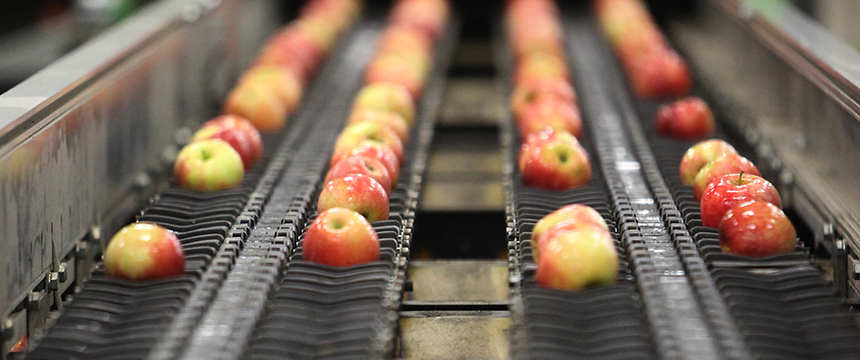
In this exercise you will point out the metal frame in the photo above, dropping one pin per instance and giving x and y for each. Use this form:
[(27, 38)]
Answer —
[(84, 142), (792, 90)]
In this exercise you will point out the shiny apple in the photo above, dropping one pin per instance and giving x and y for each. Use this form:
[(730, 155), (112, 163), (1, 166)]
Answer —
[(725, 164), (559, 164), (144, 251), (732, 189), (558, 115), (340, 237), (260, 106), (375, 151), (208, 165), (236, 131), (364, 165), (358, 193), (757, 229)]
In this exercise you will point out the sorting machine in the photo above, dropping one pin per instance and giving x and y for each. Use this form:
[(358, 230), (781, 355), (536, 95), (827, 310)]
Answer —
[(87, 145)]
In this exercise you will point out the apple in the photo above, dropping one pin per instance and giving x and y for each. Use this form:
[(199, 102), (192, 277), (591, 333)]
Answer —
[(375, 151), (560, 229), (353, 135), (358, 193), (292, 49), (532, 91), (554, 164), (364, 165), (757, 229), (261, 107), (408, 71), (283, 82), (662, 74), (387, 97), (576, 259), (560, 115), (398, 38), (429, 16), (700, 155), (208, 165), (144, 251), (322, 34), (689, 118), (726, 164), (540, 66), (250, 149), (731, 189), (389, 119), (340, 237), (574, 213)]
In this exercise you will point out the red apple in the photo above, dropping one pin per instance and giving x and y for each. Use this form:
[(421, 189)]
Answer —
[(340, 237), (576, 259), (375, 151), (261, 107), (560, 229), (429, 16), (757, 229), (732, 189), (726, 164), (574, 213), (659, 75), (358, 193), (361, 165), (236, 131), (689, 118), (559, 164), (144, 251), (530, 92), (559, 115), (353, 135), (387, 97), (280, 81), (700, 155), (389, 119), (208, 165), (322, 34)]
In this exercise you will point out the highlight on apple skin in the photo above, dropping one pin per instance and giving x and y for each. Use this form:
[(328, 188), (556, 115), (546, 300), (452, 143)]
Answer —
[(757, 229), (725, 164), (144, 251), (554, 160), (208, 165), (340, 237), (732, 189), (358, 193)]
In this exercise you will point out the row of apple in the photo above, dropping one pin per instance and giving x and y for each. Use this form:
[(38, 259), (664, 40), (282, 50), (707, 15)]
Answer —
[(653, 68), (543, 100), (369, 151), (572, 246), (227, 146), (734, 198)]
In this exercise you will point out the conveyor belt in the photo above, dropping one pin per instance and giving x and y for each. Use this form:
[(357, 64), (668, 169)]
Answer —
[(782, 305), (112, 318), (322, 311)]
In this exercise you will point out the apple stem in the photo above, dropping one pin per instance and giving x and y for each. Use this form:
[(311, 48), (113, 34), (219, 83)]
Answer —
[(740, 177)]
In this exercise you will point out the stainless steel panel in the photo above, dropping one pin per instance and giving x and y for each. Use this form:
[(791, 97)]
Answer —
[(791, 88), (80, 138)]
